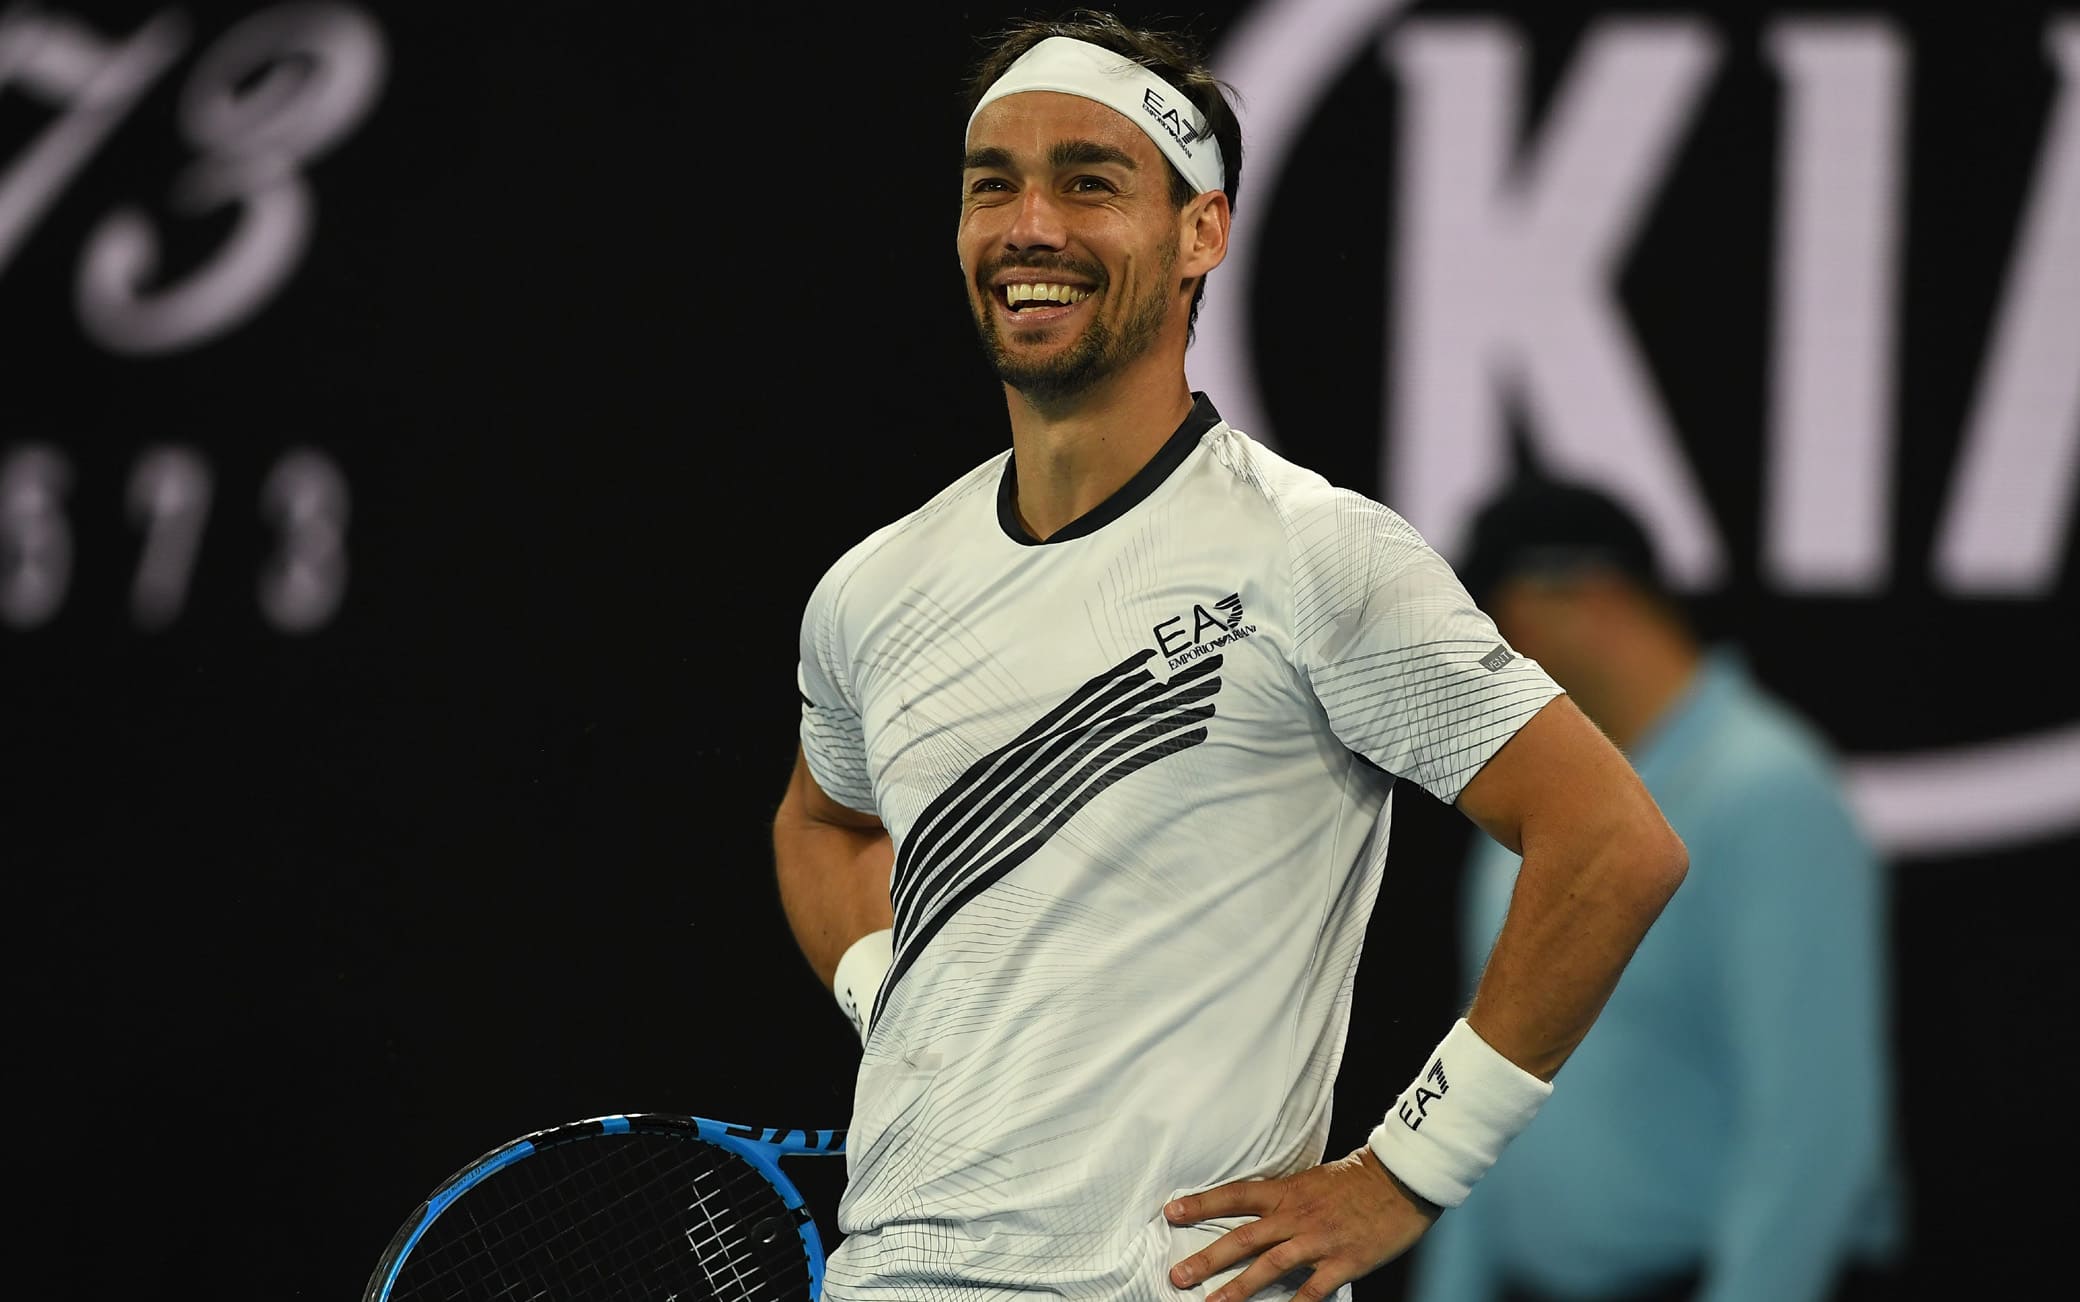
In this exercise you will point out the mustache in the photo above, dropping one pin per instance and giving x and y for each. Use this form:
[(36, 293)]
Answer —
[(988, 271)]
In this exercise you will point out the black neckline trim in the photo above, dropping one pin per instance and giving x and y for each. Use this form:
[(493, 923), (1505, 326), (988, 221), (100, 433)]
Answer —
[(1146, 480)]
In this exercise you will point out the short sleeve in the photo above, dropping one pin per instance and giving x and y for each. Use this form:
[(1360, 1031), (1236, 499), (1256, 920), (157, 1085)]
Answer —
[(1411, 674), (833, 737)]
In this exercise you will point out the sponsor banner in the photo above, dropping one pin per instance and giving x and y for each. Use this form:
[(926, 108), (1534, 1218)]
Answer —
[(1802, 286)]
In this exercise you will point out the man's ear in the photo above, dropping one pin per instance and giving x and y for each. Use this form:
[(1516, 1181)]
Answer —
[(1203, 236)]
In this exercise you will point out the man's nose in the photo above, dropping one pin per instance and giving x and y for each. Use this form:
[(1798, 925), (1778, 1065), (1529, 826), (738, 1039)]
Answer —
[(1038, 222)]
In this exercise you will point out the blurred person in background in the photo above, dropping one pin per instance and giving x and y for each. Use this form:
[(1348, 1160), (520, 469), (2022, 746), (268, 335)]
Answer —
[(1726, 1132)]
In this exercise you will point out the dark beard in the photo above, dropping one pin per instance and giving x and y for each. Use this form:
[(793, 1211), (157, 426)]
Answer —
[(1098, 354)]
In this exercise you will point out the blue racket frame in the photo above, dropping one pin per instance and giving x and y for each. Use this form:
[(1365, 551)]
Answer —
[(763, 1148)]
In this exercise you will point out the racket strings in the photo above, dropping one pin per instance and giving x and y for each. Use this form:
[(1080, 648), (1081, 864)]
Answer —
[(571, 1218), (639, 1215), (737, 1234)]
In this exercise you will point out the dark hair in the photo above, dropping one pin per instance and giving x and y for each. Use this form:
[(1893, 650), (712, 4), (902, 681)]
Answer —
[(1173, 53)]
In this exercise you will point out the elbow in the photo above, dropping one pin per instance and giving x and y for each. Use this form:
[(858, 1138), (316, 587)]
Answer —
[(1665, 862), (1648, 858)]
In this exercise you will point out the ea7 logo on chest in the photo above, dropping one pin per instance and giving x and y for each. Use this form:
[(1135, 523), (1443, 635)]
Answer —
[(1184, 638)]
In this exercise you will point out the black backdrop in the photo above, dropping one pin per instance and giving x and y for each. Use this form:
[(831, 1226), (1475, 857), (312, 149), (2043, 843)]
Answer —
[(398, 630)]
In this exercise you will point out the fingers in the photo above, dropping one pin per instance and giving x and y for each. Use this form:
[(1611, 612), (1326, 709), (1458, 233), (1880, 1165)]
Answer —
[(1271, 1265), (1236, 1198), (1217, 1256), (1280, 1260), (1258, 1198), (1344, 1218)]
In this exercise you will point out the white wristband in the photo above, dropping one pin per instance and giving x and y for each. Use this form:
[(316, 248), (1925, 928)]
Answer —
[(1454, 1119), (858, 978)]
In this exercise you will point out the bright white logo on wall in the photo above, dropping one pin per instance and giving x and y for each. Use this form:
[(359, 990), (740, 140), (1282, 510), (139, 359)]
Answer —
[(261, 102), (1508, 241), (257, 105)]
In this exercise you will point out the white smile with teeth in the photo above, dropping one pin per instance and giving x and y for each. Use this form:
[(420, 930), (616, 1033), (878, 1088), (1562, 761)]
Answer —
[(1043, 293)]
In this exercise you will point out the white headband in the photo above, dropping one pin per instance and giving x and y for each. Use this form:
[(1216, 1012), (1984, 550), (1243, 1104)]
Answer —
[(1073, 67)]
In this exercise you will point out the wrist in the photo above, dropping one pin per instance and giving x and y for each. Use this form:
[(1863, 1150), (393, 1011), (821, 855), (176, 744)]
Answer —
[(1430, 1210), (1455, 1118), (857, 982)]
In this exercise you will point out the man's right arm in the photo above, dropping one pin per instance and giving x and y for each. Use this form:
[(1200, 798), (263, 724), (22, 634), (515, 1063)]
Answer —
[(833, 863)]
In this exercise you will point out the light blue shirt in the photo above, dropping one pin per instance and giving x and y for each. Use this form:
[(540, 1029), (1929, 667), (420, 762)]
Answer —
[(1732, 1108)]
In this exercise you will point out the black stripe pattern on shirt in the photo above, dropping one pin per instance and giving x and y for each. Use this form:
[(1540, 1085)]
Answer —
[(1010, 802)]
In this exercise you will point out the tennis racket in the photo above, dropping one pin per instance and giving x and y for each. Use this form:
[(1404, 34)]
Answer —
[(641, 1205)]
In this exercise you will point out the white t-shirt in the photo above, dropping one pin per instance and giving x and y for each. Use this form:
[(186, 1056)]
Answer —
[(1137, 778)]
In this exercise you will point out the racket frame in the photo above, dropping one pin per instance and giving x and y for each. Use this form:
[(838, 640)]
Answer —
[(761, 1147)]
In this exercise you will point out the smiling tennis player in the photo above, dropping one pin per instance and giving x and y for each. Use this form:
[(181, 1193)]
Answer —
[(1096, 755)]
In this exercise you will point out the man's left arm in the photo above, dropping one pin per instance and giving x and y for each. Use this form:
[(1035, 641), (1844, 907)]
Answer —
[(1600, 862)]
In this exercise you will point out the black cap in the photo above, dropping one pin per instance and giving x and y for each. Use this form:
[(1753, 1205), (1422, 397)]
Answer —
[(1541, 525)]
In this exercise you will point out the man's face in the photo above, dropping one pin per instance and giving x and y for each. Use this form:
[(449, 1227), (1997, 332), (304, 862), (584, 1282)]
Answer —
[(1068, 240)]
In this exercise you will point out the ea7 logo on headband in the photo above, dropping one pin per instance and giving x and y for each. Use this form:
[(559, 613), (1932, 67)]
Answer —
[(1182, 131)]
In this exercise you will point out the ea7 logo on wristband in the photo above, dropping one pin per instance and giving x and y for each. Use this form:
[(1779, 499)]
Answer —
[(1417, 1106)]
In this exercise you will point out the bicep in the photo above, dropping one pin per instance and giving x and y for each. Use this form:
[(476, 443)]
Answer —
[(1558, 777), (807, 801), (1407, 670)]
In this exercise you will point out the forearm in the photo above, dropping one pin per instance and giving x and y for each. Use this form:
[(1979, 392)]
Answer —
[(833, 883), (1582, 903)]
